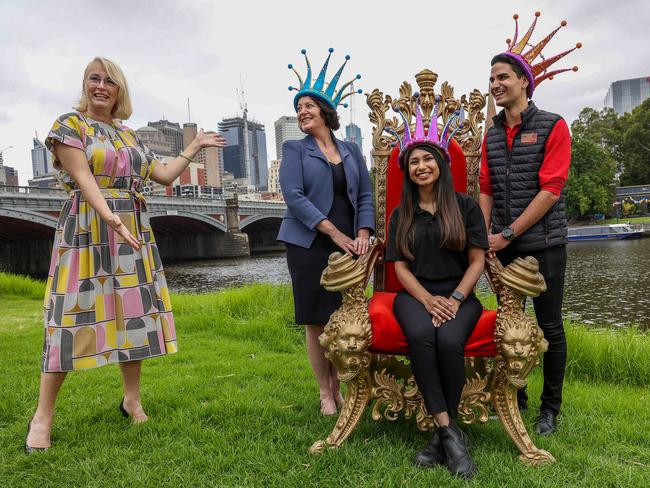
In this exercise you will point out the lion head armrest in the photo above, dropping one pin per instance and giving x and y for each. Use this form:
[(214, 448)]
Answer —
[(348, 333), (518, 338)]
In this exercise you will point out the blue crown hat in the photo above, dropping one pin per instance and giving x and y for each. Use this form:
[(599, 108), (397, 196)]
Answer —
[(324, 91)]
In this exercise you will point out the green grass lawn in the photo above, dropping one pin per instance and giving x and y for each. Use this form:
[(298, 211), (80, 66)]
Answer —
[(237, 406)]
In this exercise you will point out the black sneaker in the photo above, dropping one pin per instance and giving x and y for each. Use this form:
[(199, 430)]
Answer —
[(546, 423)]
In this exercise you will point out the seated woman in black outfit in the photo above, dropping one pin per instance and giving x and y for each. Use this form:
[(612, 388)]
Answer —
[(437, 239)]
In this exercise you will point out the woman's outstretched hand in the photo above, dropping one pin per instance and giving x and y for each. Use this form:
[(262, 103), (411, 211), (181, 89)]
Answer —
[(115, 223), (209, 139)]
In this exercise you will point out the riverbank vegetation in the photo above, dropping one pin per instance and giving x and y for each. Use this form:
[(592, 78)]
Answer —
[(604, 144), (237, 406)]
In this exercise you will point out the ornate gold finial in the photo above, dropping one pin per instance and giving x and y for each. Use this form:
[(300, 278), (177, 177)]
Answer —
[(342, 272), (426, 79), (523, 276)]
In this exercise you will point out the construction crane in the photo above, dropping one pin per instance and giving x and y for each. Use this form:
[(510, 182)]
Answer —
[(352, 114), (353, 133), (244, 108)]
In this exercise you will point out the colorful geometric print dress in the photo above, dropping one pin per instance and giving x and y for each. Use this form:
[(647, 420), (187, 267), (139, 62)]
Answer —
[(105, 302)]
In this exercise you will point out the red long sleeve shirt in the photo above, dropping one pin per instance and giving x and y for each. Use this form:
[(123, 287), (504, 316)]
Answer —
[(555, 167)]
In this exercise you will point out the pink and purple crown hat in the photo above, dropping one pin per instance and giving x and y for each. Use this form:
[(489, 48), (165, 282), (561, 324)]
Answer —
[(421, 137), (535, 73)]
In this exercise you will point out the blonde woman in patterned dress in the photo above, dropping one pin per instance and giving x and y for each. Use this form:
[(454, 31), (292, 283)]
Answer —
[(106, 298)]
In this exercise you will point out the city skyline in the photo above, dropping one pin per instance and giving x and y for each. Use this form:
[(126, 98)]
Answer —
[(185, 49)]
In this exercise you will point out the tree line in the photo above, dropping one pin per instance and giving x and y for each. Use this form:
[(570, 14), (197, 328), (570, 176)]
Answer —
[(607, 150)]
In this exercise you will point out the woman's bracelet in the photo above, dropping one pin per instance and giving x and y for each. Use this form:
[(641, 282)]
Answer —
[(189, 160)]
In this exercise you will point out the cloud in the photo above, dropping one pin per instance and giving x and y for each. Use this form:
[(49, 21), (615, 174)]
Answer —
[(171, 50)]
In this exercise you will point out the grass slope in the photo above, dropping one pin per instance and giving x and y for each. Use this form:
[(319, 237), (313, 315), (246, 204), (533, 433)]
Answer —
[(237, 406)]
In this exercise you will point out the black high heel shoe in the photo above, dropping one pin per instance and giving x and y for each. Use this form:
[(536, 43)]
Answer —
[(129, 416), (123, 410), (29, 449)]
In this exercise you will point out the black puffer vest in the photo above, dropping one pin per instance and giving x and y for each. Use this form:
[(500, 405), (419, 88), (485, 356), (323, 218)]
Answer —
[(514, 177)]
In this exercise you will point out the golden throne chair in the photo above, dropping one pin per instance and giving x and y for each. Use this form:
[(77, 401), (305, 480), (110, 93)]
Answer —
[(363, 338)]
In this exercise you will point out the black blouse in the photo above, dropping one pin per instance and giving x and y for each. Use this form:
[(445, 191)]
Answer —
[(433, 262)]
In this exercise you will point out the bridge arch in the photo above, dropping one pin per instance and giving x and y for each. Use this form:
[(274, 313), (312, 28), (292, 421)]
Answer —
[(258, 218), (29, 216), (262, 232), (169, 221), (26, 241)]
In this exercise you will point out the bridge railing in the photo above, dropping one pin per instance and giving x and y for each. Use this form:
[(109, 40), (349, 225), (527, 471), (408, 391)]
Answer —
[(25, 192), (31, 190)]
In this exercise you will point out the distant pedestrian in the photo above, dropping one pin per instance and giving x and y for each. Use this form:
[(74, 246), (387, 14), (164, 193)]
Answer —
[(106, 298), (525, 164), (326, 186)]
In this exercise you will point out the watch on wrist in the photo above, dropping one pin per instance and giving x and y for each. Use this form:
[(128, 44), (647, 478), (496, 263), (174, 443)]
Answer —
[(508, 234), (458, 296)]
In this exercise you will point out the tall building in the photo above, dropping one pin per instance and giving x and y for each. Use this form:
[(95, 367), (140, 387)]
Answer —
[(189, 133), (234, 156), (9, 176), (155, 140), (625, 95), (41, 158), (286, 129), (172, 132), (274, 177), (353, 134), (210, 157)]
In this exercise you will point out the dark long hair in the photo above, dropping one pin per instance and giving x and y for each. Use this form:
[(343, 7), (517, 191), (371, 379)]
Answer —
[(444, 198)]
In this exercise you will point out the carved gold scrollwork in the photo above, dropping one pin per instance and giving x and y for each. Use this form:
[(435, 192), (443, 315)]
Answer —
[(378, 107), (388, 394), (415, 405), (474, 403)]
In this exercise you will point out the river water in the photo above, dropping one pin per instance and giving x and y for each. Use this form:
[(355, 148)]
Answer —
[(607, 282)]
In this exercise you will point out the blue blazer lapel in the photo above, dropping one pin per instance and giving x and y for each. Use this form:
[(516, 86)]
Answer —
[(343, 151), (314, 150)]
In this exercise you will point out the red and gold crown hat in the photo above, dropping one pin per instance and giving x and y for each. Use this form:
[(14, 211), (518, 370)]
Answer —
[(535, 73)]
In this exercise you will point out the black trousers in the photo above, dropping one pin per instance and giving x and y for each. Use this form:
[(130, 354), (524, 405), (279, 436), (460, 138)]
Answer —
[(437, 353), (548, 310)]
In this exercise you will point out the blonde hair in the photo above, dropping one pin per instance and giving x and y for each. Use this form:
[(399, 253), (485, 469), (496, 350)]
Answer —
[(122, 109)]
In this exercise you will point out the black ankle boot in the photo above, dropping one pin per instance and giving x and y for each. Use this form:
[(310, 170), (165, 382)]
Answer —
[(456, 448), (431, 455)]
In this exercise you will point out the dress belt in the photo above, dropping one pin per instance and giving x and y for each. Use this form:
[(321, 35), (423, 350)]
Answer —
[(111, 193)]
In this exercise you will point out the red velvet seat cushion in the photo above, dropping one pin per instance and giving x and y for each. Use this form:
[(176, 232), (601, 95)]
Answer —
[(388, 338)]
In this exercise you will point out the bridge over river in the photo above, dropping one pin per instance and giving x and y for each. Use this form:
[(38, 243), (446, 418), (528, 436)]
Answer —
[(185, 228)]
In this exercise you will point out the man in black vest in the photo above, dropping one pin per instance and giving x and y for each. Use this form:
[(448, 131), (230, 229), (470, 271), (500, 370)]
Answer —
[(525, 163)]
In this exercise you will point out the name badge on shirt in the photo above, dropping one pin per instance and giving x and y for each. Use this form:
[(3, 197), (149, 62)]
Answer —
[(529, 138)]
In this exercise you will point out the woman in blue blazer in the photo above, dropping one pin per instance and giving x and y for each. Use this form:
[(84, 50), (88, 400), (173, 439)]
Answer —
[(326, 186)]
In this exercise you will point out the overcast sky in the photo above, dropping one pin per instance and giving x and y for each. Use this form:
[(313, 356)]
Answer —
[(171, 50)]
